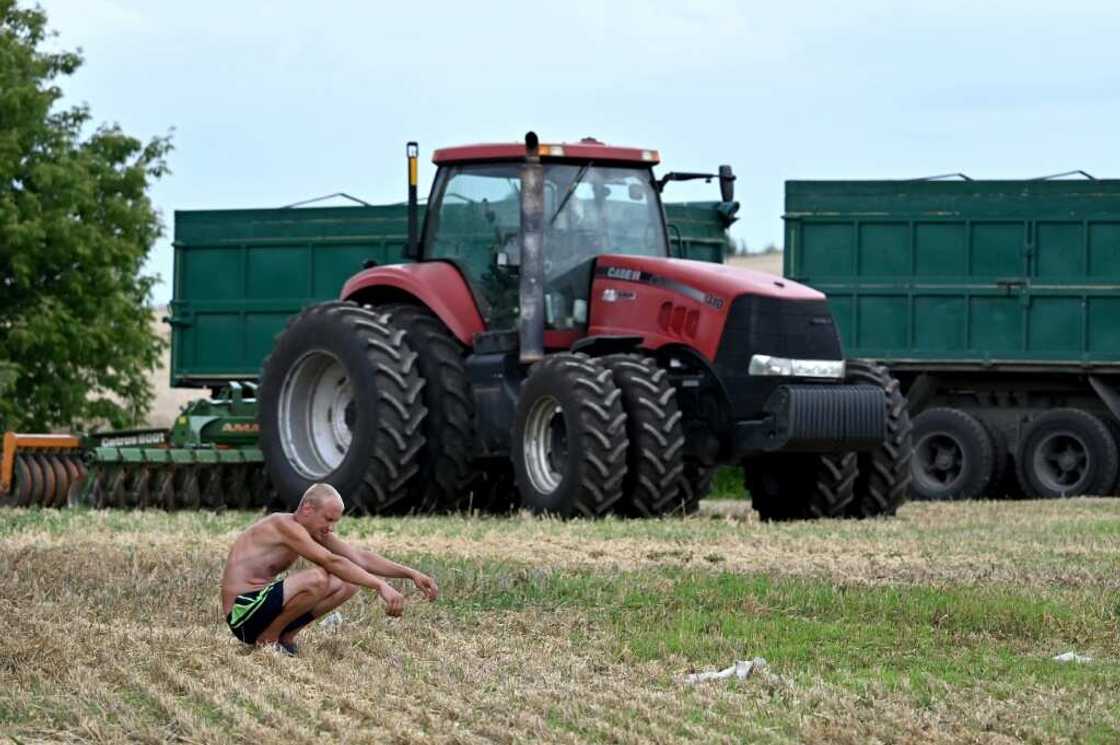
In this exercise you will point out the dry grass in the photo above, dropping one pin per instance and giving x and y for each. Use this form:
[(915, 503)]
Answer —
[(935, 627)]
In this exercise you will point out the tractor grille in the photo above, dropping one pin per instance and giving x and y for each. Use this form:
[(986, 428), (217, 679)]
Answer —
[(800, 329)]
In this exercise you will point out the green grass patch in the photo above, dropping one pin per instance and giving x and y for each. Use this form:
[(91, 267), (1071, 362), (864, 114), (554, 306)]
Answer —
[(727, 483)]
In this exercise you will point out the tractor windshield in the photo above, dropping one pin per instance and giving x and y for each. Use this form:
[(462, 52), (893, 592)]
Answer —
[(590, 210)]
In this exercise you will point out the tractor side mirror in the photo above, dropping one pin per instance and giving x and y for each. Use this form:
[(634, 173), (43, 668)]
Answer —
[(726, 184)]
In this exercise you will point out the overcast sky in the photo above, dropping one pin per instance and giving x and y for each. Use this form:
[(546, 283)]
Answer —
[(274, 102)]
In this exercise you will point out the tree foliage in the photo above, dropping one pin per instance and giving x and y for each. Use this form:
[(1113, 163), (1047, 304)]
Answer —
[(76, 224)]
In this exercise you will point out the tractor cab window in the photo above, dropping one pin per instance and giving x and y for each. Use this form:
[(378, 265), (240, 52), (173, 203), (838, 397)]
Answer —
[(589, 211)]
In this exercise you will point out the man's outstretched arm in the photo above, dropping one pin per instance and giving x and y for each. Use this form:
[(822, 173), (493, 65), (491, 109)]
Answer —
[(379, 565), (340, 565)]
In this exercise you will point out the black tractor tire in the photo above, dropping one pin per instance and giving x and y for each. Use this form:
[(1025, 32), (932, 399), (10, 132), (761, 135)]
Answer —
[(383, 419), (884, 479), (694, 484), (445, 458), (954, 456), (801, 486), (569, 438), (490, 488), (1067, 453), (654, 458)]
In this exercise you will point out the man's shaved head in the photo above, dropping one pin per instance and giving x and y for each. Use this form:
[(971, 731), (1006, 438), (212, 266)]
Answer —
[(318, 495)]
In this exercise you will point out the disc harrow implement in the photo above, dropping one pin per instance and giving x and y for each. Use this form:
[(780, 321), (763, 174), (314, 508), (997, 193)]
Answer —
[(40, 470)]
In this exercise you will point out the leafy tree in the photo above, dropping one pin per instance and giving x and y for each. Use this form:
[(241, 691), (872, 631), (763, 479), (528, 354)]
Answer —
[(76, 224)]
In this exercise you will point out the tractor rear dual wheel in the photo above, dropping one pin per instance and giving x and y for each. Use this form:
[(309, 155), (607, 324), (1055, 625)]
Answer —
[(341, 402), (445, 458)]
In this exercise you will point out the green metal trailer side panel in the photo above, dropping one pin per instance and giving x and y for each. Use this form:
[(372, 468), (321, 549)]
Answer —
[(241, 274), (987, 272)]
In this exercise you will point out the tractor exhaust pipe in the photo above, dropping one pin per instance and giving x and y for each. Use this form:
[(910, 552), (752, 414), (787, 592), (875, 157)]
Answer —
[(412, 248), (531, 325)]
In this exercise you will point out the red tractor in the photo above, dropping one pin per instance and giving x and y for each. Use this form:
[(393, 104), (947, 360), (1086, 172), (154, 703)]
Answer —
[(542, 347)]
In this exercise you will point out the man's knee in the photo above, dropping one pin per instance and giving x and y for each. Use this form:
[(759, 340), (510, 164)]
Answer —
[(348, 591), (318, 581), (341, 587)]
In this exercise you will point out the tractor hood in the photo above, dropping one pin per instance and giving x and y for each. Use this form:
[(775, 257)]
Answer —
[(715, 285)]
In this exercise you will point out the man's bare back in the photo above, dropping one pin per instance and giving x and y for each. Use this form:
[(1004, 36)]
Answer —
[(261, 608)]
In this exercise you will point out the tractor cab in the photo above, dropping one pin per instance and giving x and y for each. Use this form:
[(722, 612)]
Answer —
[(603, 201)]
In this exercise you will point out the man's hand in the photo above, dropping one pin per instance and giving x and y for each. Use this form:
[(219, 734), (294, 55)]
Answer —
[(394, 601), (426, 584)]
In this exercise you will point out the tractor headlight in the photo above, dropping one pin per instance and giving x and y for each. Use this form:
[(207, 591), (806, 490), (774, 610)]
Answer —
[(764, 364)]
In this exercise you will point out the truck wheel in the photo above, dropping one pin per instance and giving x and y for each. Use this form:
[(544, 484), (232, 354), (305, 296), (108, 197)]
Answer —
[(340, 402), (569, 438), (884, 473), (1067, 453), (449, 427), (953, 455), (654, 460), (801, 486), (998, 485)]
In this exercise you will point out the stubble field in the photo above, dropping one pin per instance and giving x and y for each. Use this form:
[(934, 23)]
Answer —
[(937, 626)]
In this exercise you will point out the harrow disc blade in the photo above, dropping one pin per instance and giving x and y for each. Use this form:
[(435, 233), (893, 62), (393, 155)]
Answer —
[(61, 481), (210, 484), (188, 493), (77, 480), (49, 482), (20, 493), (139, 491), (237, 493), (37, 481), (163, 496)]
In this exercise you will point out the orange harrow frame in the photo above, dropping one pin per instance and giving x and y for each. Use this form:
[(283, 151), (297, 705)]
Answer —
[(14, 442)]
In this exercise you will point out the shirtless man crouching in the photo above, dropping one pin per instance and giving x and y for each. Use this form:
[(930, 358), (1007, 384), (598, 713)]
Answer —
[(262, 608)]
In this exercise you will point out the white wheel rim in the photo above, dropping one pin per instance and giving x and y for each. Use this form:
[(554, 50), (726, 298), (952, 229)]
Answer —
[(545, 444), (316, 413)]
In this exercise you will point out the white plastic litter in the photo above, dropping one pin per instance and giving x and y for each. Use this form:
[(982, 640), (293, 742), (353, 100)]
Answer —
[(742, 669), (331, 621), (1073, 657)]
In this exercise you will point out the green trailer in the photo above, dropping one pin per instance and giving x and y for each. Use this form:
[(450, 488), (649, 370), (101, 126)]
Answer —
[(995, 304), (241, 274)]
